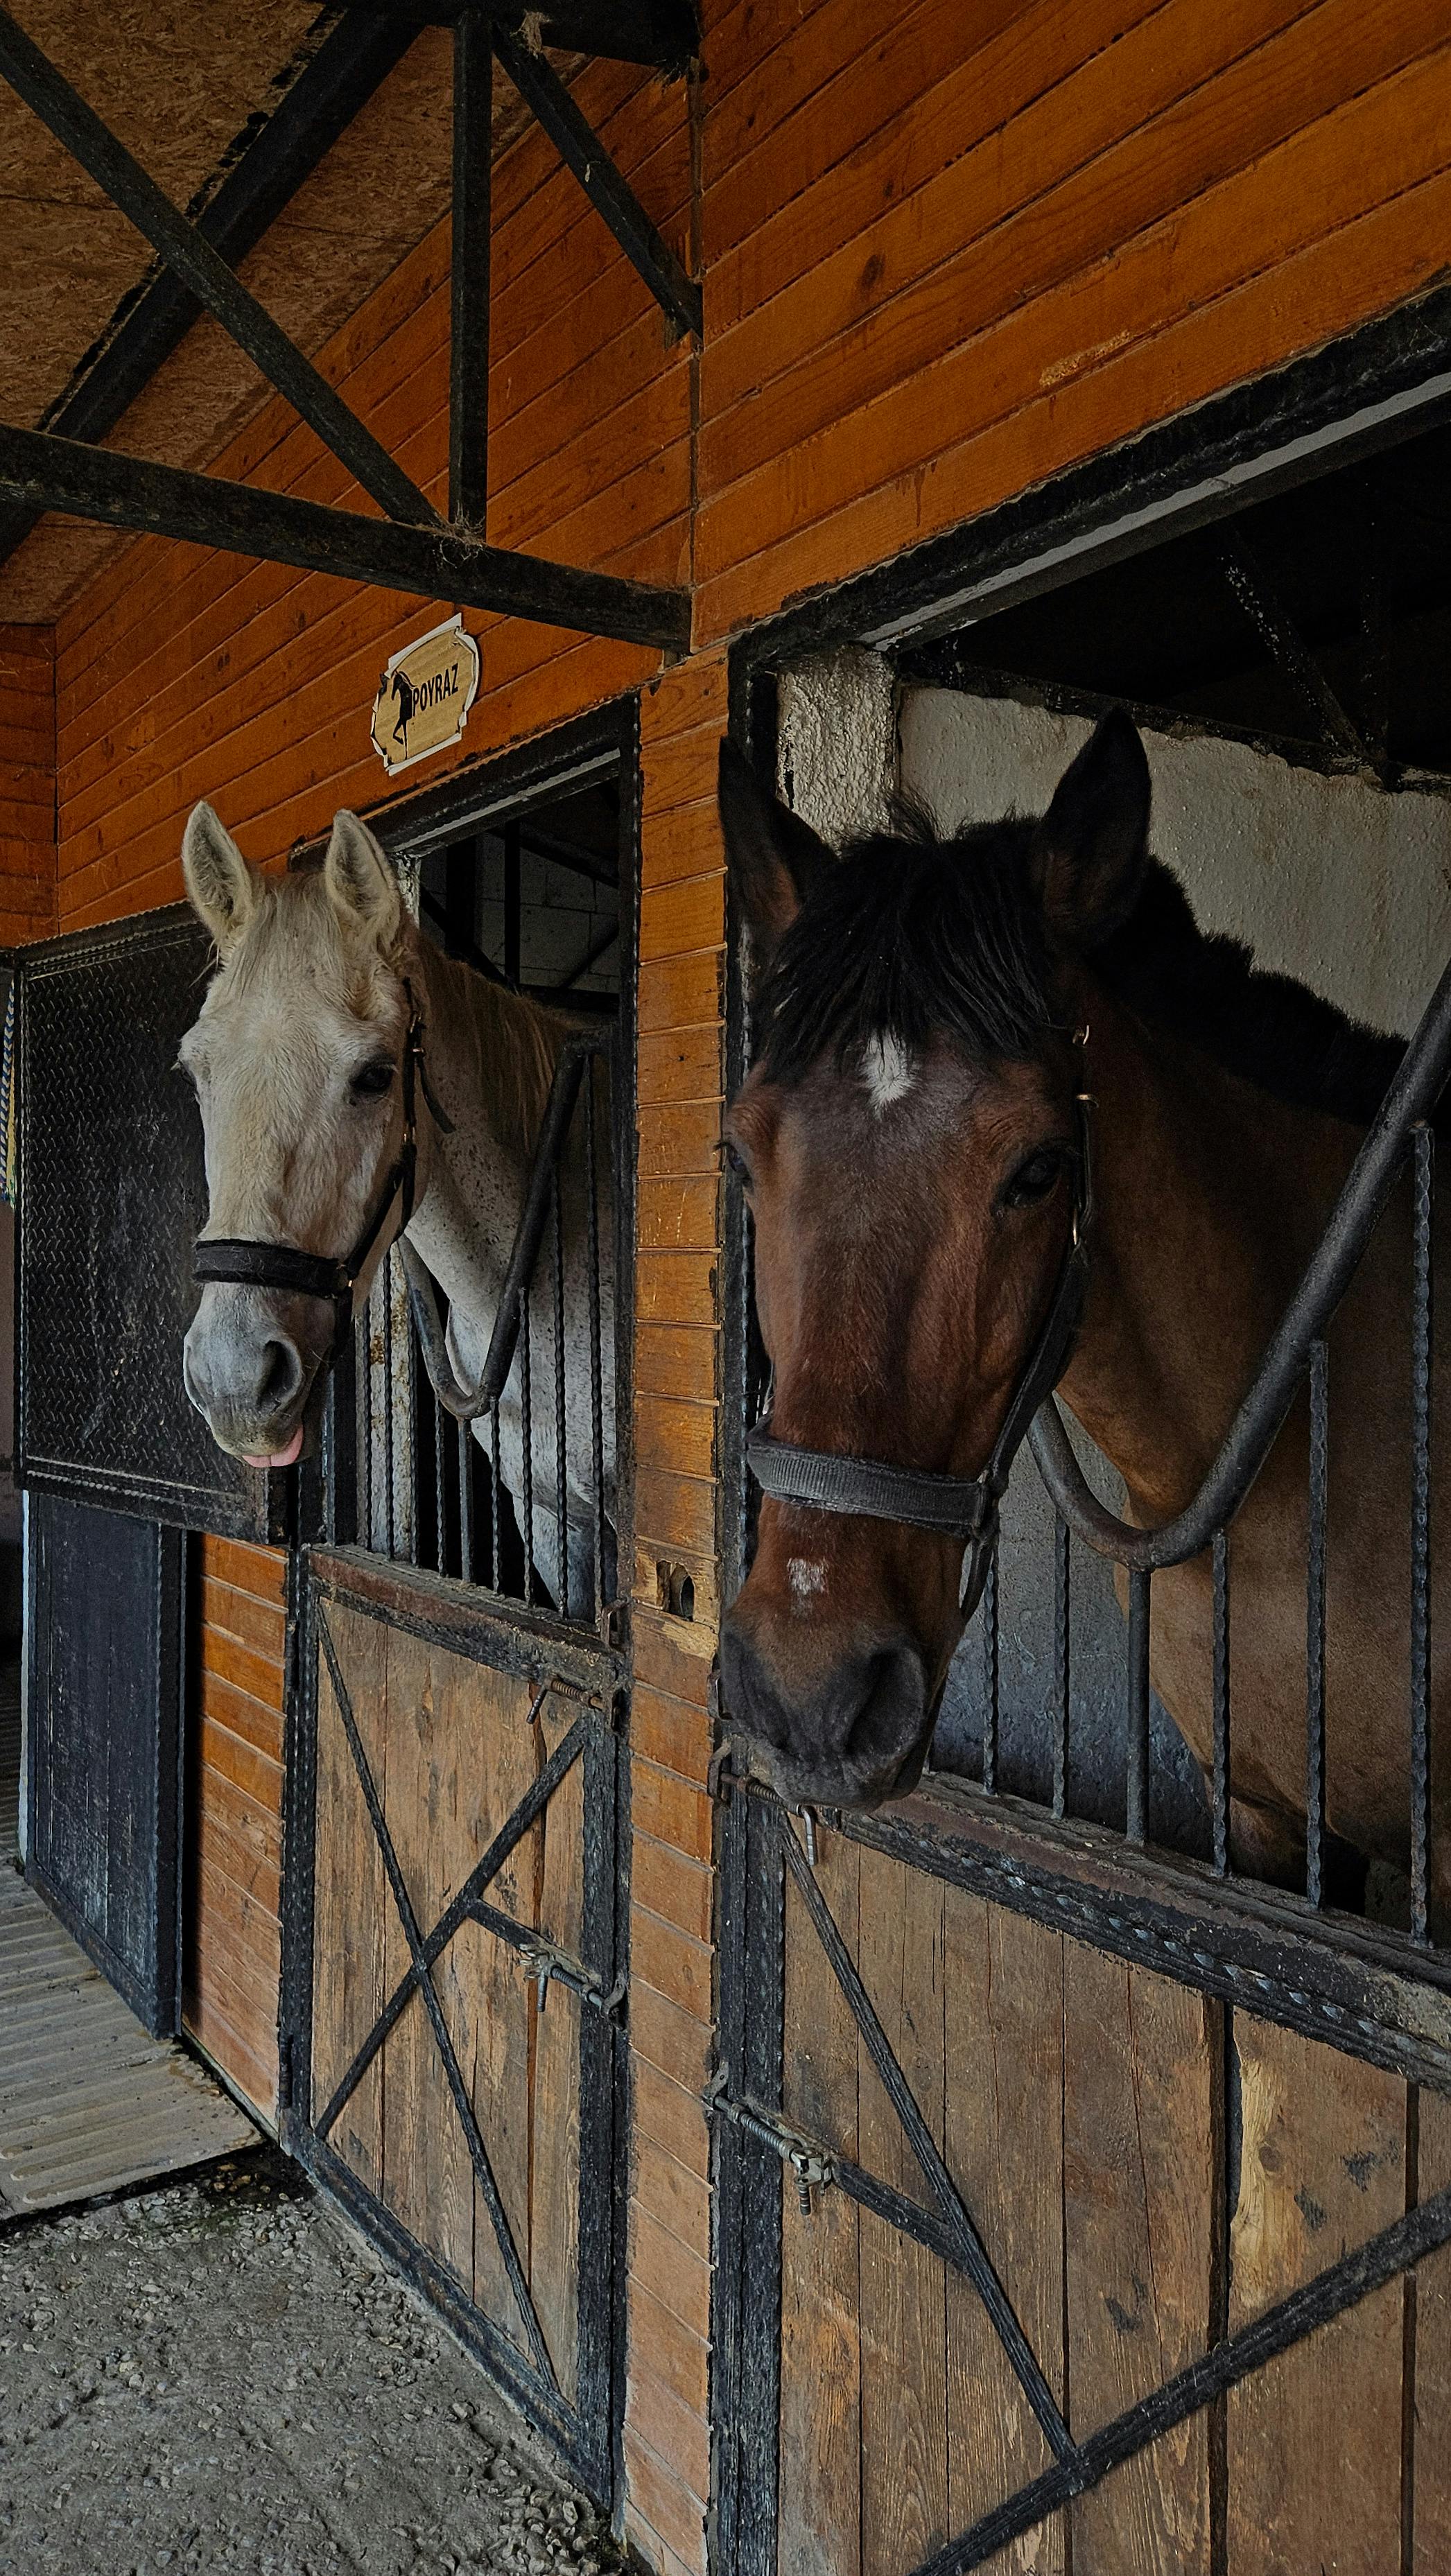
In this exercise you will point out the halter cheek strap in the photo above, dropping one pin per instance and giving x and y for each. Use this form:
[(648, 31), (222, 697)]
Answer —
[(238, 1261), (964, 1507)]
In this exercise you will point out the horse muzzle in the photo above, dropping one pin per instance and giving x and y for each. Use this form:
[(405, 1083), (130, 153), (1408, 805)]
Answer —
[(250, 1365), (854, 1735)]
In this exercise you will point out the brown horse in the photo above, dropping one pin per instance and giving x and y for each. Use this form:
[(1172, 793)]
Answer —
[(907, 1137)]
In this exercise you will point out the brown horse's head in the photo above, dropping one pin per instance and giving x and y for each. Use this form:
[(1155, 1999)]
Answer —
[(906, 1138)]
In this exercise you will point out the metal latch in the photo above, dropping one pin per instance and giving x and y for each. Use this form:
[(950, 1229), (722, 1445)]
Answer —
[(810, 2166), (545, 1964)]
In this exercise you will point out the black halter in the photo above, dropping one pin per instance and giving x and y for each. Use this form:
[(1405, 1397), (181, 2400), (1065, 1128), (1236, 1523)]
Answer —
[(964, 1507), (242, 1263)]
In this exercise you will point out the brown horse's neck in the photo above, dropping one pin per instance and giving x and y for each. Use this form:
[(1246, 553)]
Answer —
[(1210, 1196)]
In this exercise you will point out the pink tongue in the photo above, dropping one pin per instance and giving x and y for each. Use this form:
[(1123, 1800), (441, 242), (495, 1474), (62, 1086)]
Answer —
[(280, 1457)]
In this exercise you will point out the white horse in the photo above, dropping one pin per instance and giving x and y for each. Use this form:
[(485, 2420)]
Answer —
[(298, 1062)]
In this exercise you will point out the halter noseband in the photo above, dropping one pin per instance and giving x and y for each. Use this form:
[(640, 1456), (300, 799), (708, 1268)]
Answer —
[(240, 1262), (964, 1507)]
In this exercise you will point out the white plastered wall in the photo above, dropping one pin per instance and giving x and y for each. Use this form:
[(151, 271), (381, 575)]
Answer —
[(1329, 879)]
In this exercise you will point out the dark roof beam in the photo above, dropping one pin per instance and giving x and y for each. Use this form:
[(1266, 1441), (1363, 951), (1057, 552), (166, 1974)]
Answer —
[(190, 256), (663, 34), (42, 472), (577, 143), (353, 61)]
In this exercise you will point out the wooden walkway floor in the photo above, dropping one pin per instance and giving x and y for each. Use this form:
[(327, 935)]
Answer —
[(88, 2102)]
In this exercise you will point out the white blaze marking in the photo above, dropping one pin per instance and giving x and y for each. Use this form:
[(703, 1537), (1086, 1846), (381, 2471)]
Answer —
[(804, 1577), (888, 1070)]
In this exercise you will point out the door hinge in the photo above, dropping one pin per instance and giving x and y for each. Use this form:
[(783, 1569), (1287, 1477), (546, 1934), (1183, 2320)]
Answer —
[(809, 2164)]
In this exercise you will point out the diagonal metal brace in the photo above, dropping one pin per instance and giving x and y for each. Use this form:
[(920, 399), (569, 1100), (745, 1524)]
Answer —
[(418, 1954), (575, 139), (190, 256), (968, 2251)]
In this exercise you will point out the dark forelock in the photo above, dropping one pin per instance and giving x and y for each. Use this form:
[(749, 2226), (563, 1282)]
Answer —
[(911, 939)]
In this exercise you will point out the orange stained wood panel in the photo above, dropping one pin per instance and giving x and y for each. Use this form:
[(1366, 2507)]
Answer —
[(27, 784), (1261, 269), (671, 1732), (678, 1436), (670, 2114), (662, 2506), (681, 841), (1141, 129), (232, 1949)]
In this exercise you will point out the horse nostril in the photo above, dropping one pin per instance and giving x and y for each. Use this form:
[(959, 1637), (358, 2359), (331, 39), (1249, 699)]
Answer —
[(281, 1376)]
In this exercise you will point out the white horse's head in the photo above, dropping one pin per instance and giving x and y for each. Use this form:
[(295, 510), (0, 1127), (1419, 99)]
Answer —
[(296, 1061)]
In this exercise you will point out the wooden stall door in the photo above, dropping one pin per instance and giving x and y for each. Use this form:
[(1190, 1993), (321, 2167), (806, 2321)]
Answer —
[(462, 2088), (1147, 2169)]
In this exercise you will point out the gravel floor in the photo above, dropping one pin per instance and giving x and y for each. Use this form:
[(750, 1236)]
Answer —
[(218, 2374)]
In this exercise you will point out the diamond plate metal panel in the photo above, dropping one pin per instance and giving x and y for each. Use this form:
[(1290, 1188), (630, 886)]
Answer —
[(112, 1192)]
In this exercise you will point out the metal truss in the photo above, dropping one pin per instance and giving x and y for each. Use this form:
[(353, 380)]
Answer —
[(419, 552)]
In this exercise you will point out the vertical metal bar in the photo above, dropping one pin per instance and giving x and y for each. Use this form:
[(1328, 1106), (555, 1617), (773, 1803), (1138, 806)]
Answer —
[(526, 1395), (468, 404), (385, 1272), (1136, 1747), (1062, 1580), (596, 1415), (440, 1524), (561, 1463), (1422, 1289), (495, 1490), (990, 1677), (369, 1535), (513, 902), (1219, 1793), (1315, 1626), (465, 1437), (415, 1478)]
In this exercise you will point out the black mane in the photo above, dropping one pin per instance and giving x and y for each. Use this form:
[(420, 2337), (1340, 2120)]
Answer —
[(919, 938)]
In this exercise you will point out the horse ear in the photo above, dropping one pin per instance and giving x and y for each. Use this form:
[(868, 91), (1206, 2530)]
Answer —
[(1091, 849), (360, 881), (222, 887), (776, 860)]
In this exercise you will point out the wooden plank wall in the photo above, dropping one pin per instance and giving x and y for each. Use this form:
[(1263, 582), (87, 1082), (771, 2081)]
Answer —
[(1147, 2168), (27, 784), (234, 1851), (941, 258), (677, 1369)]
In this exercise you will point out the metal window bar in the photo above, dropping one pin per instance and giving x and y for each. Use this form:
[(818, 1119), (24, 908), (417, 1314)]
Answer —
[(990, 1678), (1400, 1136), (1423, 1208), (431, 1453), (1062, 1659)]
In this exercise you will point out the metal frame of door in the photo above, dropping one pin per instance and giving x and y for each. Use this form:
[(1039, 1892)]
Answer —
[(592, 1672), (1374, 1996), (595, 1680)]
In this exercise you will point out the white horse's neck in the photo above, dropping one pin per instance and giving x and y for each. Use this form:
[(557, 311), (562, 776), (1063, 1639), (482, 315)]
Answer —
[(491, 1056)]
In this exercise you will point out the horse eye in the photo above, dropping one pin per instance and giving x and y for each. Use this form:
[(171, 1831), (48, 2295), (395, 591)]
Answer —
[(372, 1080), (1034, 1180), (737, 1165)]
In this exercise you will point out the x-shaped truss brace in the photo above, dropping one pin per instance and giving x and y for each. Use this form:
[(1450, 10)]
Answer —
[(543, 1961), (421, 552), (947, 2229)]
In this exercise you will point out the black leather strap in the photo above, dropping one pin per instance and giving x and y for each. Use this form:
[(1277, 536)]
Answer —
[(240, 1262), (955, 1506)]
